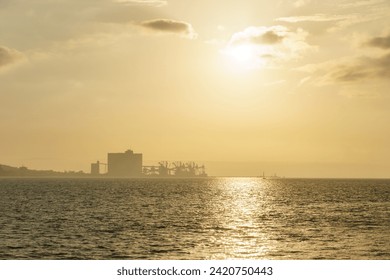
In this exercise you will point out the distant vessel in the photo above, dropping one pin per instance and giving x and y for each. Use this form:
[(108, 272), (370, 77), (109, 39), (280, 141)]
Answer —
[(269, 177)]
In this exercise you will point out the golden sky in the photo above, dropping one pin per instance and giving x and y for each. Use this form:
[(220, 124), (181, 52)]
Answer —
[(298, 88)]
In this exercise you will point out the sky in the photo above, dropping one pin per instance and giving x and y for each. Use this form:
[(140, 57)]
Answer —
[(299, 88)]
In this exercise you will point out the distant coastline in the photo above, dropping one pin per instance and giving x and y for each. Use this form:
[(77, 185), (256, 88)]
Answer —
[(10, 171), (7, 171)]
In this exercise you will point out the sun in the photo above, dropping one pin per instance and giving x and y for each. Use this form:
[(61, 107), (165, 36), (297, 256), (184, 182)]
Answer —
[(243, 56), (242, 53)]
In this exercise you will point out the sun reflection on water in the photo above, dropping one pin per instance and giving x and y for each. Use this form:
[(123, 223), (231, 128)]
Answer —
[(238, 215)]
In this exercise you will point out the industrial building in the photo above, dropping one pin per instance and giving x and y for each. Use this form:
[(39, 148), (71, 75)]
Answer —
[(95, 168), (127, 164)]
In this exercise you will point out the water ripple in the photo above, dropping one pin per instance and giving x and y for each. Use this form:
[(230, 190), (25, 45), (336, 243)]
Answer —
[(210, 218)]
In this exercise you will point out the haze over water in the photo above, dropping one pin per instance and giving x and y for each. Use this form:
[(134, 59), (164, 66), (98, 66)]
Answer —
[(207, 218)]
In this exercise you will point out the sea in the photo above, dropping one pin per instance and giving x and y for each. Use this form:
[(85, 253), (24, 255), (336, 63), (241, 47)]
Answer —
[(194, 219)]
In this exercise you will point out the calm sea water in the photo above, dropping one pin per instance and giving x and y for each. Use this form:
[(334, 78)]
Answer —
[(209, 218)]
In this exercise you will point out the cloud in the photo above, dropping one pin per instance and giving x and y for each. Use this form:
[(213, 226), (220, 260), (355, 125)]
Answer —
[(315, 18), (269, 37), (268, 44), (260, 35), (156, 3), (348, 70), (169, 26), (363, 3), (379, 42), (9, 56), (336, 21)]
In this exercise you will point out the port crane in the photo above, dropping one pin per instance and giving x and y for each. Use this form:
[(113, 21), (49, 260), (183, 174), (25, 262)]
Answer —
[(176, 168)]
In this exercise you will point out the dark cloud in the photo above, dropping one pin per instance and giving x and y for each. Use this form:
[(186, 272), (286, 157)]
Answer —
[(261, 35), (8, 56), (380, 42), (350, 71), (169, 26), (363, 69), (268, 38)]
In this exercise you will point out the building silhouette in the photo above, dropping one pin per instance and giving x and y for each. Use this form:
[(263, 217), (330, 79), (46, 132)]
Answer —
[(127, 164), (95, 168)]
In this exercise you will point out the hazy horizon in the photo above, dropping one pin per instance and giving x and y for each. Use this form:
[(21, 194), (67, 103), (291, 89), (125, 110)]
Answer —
[(268, 169), (299, 88)]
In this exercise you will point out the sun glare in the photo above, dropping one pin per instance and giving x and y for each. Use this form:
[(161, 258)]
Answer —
[(240, 53), (244, 56)]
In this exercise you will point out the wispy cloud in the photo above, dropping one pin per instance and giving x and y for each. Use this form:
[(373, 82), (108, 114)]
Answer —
[(362, 69), (354, 69), (169, 26), (341, 14), (336, 22), (157, 3), (363, 3), (269, 44), (315, 18), (348, 70), (9, 56)]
